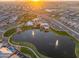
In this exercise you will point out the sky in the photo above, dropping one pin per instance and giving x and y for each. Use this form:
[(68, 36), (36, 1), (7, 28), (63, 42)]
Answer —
[(41, 0)]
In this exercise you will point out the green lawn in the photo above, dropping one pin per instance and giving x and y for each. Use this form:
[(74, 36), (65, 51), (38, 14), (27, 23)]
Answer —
[(26, 28), (9, 32), (59, 32), (27, 52), (77, 49), (0, 39)]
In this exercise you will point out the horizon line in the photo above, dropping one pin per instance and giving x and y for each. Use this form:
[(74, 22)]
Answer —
[(39, 1)]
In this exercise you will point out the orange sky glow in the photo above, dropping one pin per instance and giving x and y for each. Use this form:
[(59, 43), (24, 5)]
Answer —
[(39, 0)]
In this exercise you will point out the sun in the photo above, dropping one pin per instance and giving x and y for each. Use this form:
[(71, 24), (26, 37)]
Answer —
[(35, 0)]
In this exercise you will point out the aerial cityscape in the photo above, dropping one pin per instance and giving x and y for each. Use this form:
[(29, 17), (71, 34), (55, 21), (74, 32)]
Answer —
[(39, 29)]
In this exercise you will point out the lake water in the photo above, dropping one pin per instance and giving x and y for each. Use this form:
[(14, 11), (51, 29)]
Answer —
[(48, 43)]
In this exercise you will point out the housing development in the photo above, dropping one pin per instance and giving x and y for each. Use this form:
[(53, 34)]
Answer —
[(39, 29)]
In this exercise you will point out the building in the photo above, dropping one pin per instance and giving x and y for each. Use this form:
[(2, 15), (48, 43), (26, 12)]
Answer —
[(29, 23), (13, 19), (45, 26), (5, 52), (18, 29)]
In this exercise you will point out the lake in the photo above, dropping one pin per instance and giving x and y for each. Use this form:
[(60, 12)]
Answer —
[(48, 43)]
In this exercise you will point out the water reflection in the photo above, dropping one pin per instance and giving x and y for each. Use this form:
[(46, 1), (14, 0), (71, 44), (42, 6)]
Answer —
[(57, 42), (33, 33)]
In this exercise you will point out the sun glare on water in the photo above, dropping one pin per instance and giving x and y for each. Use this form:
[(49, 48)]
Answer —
[(33, 33)]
